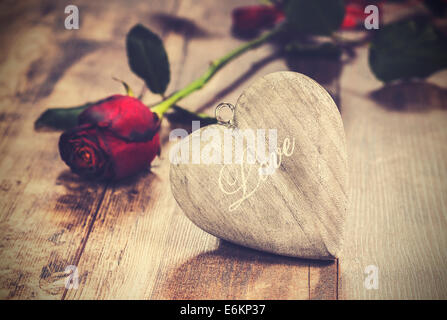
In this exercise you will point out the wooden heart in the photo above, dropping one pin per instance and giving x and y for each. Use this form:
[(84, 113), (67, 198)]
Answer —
[(298, 208)]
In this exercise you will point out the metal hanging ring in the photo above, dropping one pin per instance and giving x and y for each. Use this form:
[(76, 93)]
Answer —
[(219, 119)]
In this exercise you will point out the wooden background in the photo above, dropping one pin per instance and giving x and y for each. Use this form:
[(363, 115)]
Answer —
[(129, 240)]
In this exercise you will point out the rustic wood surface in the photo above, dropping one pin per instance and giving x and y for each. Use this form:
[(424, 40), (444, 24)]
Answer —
[(130, 240)]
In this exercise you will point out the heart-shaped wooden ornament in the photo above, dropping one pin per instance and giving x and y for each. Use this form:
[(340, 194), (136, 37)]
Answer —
[(275, 178)]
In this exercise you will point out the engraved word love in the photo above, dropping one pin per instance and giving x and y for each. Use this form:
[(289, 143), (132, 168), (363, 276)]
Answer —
[(246, 148), (240, 184)]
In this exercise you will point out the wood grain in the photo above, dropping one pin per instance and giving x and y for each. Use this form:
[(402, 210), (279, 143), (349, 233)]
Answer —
[(46, 212), (157, 252), (130, 240), (397, 158)]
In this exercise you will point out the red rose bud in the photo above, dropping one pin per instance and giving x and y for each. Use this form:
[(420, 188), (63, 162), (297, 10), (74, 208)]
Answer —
[(115, 138), (250, 19), (354, 16)]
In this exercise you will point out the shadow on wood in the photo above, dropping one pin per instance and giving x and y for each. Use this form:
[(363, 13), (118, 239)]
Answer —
[(179, 25), (77, 203), (322, 70), (236, 84), (81, 193), (411, 97), (235, 272), (45, 72)]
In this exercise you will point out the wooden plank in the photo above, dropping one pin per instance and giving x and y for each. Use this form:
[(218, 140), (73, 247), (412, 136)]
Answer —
[(46, 212), (323, 280), (234, 272), (396, 144), (227, 86), (142, 246), (128, 240)]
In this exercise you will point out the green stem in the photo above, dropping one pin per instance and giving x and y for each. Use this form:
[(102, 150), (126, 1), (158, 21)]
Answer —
[(215, 66)]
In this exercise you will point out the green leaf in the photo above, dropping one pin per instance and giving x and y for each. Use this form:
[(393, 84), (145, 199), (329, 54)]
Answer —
[(407, 49), (147, 58), (316, 17), (437, 7), (182, 115), (61, 118)]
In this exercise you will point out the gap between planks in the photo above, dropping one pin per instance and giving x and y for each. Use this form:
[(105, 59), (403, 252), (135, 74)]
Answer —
[(86, 237)]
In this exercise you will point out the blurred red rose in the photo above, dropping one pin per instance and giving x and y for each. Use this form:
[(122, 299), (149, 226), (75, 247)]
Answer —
[(250, 19), (114, 139)]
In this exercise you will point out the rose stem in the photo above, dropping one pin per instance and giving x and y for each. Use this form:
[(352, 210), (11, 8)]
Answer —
[(215, 66)]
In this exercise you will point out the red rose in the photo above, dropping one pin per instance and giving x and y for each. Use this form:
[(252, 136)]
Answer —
[(250, 19), (115, 138)]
